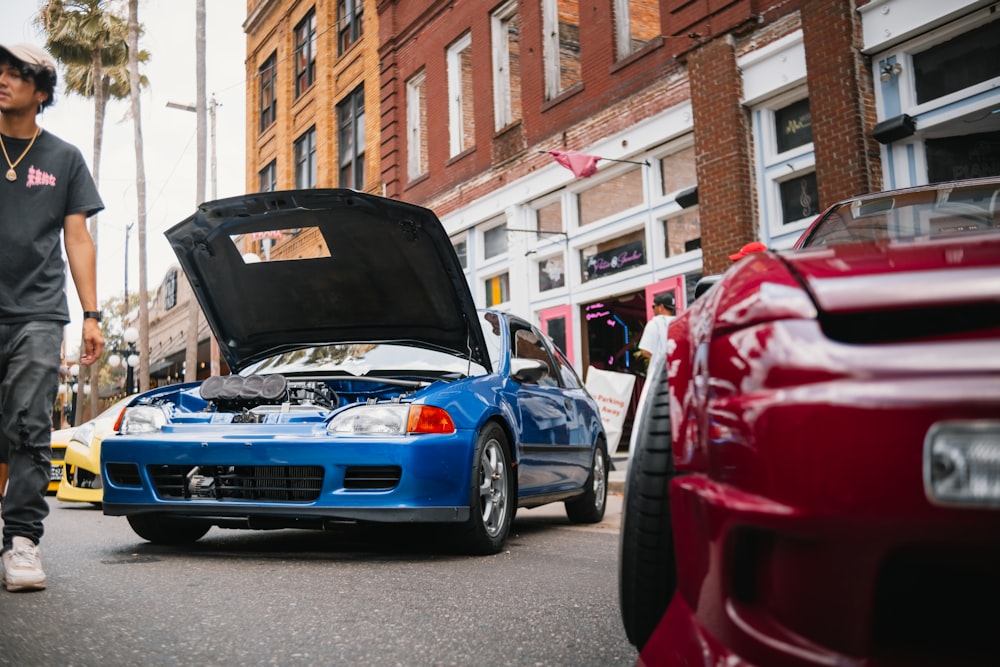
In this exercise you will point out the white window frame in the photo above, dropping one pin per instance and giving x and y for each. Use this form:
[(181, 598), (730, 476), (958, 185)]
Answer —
[(456, 107), (775, 168), (498, 222), (503, 114), (550, 48), (905, 162), (415, 166), (623, 29)]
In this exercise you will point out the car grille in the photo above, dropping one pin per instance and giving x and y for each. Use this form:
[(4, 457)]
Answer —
[(124, 474), (372, 478), (58, 453), (258, 483)]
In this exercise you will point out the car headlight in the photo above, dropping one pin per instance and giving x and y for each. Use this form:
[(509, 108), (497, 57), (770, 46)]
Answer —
[(83, 435), (391, 419), (962, 463), (143, 419)]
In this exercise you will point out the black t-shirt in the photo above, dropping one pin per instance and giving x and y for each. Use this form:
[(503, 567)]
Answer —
[(52, 182)]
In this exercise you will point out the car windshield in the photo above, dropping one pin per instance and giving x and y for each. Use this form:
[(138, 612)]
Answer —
[(908, 216), (360, 359)]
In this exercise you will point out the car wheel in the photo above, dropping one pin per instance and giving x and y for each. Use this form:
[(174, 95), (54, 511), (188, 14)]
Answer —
[(491, 498), (166, 530), (647, 574), (589, 507)]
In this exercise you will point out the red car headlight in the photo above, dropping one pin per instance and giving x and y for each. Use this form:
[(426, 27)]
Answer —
[(962, 463)]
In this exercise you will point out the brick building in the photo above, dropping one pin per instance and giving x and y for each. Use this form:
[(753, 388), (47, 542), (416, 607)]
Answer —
[(717, 123)]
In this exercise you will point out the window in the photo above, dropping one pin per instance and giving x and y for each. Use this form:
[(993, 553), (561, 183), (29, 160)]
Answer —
[(497, 290), (637, 23), (462, 250), (610, 197), (617, 254), (416, 121), (799, 198), (350, 24), (305, 160), (793, 126), (679, 182), (351, 139), (972, 57), (268, 177), (561, 25), (506, 28), (305, 53), (527, 344), (551, 273), (786, 164), (677, 171), (963, 156), (170, 290), (495, 241), (548, 219), (267, 76), (682, 233), (461, 120)]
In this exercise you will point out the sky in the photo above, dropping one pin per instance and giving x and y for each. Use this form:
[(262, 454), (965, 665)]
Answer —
[(169, 140)]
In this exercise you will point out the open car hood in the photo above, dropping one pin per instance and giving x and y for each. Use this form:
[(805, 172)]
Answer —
[(365, 269)]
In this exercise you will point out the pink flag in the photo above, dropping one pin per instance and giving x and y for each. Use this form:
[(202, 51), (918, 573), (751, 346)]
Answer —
[(582, 165)]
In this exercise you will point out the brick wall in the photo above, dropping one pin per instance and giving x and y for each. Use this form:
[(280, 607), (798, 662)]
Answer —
[(722, 135), (842, 101)]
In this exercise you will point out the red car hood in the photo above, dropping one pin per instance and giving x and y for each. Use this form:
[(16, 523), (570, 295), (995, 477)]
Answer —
[(901, 275)]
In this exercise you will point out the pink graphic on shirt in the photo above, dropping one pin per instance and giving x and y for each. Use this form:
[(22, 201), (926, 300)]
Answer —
[(39, 177)]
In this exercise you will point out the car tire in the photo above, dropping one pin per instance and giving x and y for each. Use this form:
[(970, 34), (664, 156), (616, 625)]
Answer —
[(647, 573), (491, 498), (589, 507), (167, 530)]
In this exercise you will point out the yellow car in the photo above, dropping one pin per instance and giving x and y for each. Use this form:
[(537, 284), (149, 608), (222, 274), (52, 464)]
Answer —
[(81, 480), (59, 440)]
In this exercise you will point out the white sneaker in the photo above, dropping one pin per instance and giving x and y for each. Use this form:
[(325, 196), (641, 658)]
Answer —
[(22, 566)]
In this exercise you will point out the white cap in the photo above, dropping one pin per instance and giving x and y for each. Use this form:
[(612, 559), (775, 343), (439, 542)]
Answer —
[(30, 54)]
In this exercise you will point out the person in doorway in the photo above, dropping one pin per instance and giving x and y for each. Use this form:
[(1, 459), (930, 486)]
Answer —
[(47, 192), (653, 343)]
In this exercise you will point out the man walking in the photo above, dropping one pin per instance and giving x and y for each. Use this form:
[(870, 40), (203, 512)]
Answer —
[(45, 191), (653, 343)]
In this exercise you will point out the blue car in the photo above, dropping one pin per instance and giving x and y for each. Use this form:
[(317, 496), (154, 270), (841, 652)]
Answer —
[(366, 386)]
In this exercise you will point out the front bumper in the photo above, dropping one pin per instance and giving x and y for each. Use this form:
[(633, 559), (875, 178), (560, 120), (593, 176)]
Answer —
[(405, 479), (81, 480), (804, 534)]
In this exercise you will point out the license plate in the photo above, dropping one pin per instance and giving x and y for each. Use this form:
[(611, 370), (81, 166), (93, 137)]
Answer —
[(55, 474)]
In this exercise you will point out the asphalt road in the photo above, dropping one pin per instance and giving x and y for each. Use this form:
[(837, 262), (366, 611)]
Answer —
[(307, 598)]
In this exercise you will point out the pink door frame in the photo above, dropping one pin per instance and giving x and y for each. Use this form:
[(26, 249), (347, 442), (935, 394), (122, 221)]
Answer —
[(674, 285), (555, 313)]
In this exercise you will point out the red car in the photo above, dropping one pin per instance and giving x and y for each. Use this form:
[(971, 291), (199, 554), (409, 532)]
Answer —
[(815, 475)]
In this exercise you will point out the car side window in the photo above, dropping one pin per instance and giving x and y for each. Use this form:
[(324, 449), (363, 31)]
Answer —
[(526, 344), (569, 377)]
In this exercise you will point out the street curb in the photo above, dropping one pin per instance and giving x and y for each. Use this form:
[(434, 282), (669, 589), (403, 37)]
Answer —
[(616, 476)]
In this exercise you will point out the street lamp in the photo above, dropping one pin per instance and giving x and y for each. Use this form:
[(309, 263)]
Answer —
[(212, 104), (130, 335), (213, 345)]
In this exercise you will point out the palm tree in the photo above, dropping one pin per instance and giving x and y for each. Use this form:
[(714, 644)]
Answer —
[(140, 188), (89, 38)]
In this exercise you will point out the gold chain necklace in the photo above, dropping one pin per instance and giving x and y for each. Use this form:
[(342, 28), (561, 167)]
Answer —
[(11, 174)]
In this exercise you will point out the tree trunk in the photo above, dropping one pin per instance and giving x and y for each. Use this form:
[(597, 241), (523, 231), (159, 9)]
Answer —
[(140, 190)]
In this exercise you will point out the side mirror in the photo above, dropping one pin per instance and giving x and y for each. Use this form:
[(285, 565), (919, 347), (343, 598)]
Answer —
[(704, 284), (528, 370)]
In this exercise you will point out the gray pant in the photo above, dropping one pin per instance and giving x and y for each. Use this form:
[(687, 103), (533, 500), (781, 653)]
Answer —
[(29, 380)]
